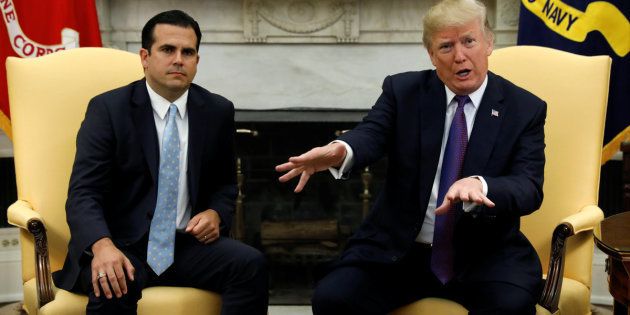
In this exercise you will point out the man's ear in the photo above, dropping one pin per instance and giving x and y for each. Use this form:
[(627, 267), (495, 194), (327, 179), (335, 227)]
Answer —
[(144, 54), (490, 48), (490, 42)]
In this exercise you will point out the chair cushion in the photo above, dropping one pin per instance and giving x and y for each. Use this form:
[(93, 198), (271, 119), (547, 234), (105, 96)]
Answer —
[(155, 300), (179, 300), (574, 299), (433, 306)]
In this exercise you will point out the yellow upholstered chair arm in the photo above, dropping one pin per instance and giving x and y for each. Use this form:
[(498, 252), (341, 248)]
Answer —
[(585, 220), (22, 215)]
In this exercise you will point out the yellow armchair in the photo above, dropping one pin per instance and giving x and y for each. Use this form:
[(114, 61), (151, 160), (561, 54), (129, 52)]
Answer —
[(576, 91), (48, 98)]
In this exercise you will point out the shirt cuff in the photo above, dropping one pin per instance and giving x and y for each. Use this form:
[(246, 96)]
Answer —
[(348, 161), (469, 206)]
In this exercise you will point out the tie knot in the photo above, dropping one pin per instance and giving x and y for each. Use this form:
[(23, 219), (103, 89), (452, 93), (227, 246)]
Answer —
[(172, 111), (461, 100)]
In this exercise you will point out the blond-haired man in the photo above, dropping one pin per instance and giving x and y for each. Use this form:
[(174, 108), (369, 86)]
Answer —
[(465, 149)]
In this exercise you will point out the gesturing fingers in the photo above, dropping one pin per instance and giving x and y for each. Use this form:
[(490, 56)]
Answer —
[(290, 174), (303, 180), (285, 167), (315, 160), (443, 208)]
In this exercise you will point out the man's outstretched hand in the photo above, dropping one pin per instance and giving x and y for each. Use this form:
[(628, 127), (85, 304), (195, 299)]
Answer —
[(316, 160), (467, 189)]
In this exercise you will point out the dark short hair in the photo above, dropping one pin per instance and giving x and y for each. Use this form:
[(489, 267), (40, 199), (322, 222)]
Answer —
[(172, 17)]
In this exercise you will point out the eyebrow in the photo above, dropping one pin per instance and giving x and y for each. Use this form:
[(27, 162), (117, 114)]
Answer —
[(468, 34), (166, 46), (187, 49)]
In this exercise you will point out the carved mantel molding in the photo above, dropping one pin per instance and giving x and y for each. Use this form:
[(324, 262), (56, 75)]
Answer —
[(311, 21)]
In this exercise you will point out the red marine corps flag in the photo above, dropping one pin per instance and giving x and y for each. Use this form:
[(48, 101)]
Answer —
[(33, 28)]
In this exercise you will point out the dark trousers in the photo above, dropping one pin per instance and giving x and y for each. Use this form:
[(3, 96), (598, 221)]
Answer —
[(377, 289), (236, 271)]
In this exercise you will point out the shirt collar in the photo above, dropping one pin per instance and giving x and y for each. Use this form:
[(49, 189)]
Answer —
[(160, 104), (475, 97)]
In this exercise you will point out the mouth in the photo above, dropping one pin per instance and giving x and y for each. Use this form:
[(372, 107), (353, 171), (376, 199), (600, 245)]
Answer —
[(177, 73), (463, 73)]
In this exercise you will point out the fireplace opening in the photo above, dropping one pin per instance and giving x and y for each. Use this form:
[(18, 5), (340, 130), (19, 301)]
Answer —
[(298, 233)]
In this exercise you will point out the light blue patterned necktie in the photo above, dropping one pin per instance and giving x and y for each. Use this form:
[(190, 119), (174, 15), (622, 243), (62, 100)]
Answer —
[(162, 234)]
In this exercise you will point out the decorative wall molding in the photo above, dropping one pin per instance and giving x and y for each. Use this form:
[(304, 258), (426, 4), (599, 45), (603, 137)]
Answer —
[(330, 20), (508, 14), (10, 265)]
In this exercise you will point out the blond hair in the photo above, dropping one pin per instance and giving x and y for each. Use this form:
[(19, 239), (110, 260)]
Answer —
[(448, 13)]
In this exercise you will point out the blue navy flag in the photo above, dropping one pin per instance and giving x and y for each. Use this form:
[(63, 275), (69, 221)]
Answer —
[(586, 27)]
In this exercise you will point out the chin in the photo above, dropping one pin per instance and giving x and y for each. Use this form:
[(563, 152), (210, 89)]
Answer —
[(466, 89), (178, 85)]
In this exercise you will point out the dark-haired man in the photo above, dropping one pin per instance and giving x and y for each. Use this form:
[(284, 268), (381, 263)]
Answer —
[(152, 189)]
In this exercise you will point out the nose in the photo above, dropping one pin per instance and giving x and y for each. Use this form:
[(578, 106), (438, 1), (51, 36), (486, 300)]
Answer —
[(178, 58), (460, 56)]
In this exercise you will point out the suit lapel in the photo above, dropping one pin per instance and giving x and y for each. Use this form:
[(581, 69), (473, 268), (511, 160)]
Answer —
[(142, 115), (196, 136), (486, 128), (432, 113)]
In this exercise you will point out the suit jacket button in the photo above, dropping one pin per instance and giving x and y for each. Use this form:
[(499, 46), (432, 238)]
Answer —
[(394, 258)]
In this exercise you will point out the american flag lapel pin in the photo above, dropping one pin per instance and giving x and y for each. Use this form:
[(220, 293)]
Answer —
[(494, 113)]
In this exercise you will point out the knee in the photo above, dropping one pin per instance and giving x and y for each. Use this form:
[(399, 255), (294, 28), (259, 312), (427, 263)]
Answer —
[(517, 305), (329, 299), (252, 262), (519, 302), (134, 288), (508, 308), (125, 304)]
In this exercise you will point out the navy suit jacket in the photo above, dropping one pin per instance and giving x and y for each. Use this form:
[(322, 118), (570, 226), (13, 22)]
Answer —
[(407, 124), (113, 186)]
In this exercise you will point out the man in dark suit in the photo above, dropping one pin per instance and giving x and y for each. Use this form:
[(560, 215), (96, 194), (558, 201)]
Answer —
[(465, 152), (153, 187)]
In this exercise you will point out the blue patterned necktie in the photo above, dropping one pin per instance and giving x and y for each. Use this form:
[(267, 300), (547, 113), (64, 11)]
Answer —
[(442, 253), (162, 234)]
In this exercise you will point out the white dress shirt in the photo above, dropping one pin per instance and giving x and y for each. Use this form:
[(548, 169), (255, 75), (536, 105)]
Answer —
[(470, 110), (160, 109)]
